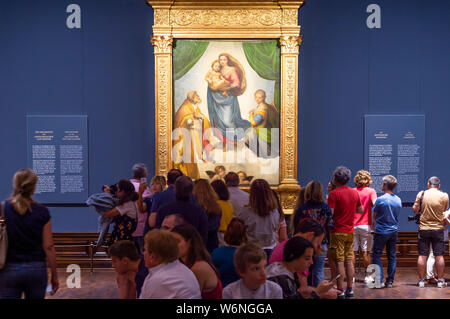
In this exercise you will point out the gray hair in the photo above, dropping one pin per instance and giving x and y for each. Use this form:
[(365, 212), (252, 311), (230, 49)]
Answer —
[(178, 219), (139, 170), (390, 182), (342, 175), (434, 181)]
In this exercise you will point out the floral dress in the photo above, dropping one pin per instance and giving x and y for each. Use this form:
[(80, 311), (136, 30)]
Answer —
[(124, 225)]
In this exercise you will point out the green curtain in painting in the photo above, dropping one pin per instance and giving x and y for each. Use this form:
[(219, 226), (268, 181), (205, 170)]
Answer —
[(264, 58), (185, 54)]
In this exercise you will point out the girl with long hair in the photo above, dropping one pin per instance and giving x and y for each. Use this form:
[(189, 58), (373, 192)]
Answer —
[(208, 200), (227, 209), (194, 255), (261, 216), (281, 232), (299, 202)]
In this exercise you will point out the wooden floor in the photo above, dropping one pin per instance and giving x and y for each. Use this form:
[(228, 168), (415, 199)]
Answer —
[(102, 285)]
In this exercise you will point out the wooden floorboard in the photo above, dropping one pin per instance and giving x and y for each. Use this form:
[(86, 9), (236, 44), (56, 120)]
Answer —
[(101, 284)]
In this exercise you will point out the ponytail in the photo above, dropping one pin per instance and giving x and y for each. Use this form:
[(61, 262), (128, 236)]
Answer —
[(24, 185)]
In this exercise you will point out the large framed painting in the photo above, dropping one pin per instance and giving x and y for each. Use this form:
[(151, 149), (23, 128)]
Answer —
[(226, 77), (226, 106)]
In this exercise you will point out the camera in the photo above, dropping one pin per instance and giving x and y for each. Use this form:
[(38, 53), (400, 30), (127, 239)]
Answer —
[(415, 218)]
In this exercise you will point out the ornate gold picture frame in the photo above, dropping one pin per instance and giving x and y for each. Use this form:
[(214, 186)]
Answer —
[(232, 20)]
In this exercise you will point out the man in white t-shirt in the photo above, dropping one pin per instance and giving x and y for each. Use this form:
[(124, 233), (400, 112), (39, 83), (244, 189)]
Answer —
[(167, 277)]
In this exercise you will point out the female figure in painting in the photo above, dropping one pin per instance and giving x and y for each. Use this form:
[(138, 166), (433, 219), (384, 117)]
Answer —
[(224, 110)]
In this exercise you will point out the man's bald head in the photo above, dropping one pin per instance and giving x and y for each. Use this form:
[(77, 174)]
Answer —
[(193, 97)]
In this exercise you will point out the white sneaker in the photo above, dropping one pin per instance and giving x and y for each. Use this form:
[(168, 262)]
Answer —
[(441, 283), (369, 279), (421, 283), (380, 286)]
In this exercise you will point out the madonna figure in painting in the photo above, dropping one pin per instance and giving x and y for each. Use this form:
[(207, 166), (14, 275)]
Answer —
[(223, 104)]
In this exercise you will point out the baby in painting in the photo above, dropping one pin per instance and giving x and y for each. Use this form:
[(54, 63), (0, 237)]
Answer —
[(215, 79)]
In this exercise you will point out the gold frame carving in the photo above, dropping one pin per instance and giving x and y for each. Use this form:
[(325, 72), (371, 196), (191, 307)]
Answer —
[(238, 19)]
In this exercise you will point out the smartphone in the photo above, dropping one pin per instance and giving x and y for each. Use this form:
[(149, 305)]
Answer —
[(143, 180), (335, 278)]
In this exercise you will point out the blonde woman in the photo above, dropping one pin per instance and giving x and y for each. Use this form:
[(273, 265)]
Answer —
[(208, 200), (157, 184), (363, 222), (30, 242)]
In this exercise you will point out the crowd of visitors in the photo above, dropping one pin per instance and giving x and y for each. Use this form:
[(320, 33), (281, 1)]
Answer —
[(179, 238)]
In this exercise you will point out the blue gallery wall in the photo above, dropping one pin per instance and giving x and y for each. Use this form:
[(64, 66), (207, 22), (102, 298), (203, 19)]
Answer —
[(348, 70), (105, 70)]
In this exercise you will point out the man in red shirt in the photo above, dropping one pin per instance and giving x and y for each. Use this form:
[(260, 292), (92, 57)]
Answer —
[(344, 203)]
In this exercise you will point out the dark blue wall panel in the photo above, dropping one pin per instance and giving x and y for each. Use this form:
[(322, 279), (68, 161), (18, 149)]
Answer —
[(105, 70), (348, 70)]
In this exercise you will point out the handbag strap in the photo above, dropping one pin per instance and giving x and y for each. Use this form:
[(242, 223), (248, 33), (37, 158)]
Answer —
[(2, 216), (421, 200)]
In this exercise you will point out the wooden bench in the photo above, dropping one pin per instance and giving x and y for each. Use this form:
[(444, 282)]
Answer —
[(78, 248)]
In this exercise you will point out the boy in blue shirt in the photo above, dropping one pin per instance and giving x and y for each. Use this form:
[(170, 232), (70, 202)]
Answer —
[(385, 217)]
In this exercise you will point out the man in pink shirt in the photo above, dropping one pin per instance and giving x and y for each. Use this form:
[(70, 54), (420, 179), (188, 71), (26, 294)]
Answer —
[(344, 203), (363, 237)]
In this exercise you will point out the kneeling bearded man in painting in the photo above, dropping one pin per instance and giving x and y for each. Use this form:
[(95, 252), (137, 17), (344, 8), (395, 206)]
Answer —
[(188, 150)]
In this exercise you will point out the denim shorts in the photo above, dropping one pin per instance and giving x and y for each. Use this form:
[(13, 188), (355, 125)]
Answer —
[(435, 238), (29, 278)]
